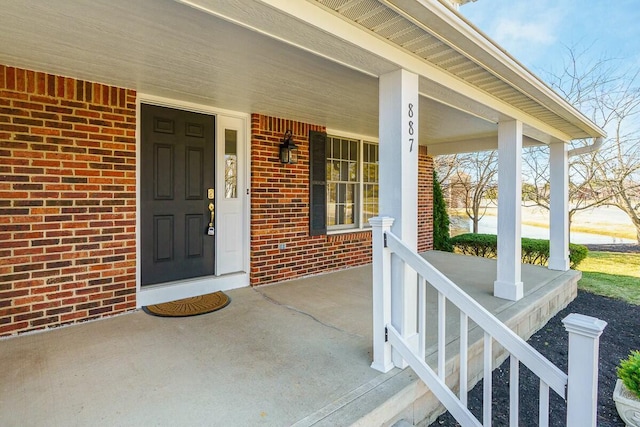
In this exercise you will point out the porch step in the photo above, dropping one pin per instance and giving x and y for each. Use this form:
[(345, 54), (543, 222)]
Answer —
[(399, 396), (403, 423)]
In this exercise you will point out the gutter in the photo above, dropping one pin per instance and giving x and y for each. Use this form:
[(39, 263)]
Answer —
[(597, 143)]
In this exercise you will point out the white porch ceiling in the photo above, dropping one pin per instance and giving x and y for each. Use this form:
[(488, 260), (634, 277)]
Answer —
[(250, 56), (164, 48)]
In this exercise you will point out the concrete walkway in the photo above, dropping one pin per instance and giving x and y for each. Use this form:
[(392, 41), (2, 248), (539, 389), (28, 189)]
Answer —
[(296, 352)]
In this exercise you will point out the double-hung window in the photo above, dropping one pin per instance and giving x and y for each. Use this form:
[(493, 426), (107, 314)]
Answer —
[(352, 182), (343, 183)]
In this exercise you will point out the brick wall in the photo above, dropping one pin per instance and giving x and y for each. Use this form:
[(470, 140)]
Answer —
[(68, 203), (425, 200), (280, 211), (67, 200)]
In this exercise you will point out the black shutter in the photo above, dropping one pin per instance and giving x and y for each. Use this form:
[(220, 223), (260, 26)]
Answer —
[(317, 183)]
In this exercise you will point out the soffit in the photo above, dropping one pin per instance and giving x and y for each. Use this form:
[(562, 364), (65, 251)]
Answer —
[(240, 55), (403, 27)]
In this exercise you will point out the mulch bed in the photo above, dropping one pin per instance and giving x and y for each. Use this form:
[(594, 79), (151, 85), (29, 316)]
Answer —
[(621, 335), (615, 247)]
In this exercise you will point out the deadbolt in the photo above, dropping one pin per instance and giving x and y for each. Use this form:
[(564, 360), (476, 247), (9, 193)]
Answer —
[(210, 193)]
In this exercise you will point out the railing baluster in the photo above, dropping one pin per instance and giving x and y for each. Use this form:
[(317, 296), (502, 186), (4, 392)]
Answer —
[(442, 318), (514, 344), (464, 349), (583, 333), (514, 390), (486, 395), (422, 317), (543, 411)]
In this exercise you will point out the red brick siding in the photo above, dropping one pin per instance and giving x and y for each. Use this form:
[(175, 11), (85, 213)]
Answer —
[(280, 211), (425, 201), (67, 200)]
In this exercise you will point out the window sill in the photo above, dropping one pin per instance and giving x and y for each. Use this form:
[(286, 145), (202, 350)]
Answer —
[(351, 234)]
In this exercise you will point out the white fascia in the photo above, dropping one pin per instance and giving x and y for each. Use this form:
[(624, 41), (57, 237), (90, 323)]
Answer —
[(485, 44)]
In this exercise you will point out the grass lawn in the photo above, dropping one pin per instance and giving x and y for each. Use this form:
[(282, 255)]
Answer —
[(615, 275)]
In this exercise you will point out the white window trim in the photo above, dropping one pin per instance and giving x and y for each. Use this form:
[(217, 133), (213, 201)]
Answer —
[(362, 139)]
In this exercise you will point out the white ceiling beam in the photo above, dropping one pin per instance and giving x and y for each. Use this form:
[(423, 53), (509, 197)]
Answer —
[(482, 143)]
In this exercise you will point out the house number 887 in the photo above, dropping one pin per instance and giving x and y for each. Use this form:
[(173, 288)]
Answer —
[(410, 114)]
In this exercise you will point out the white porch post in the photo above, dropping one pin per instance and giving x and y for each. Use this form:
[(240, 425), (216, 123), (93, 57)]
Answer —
[(559, 208), (398, 132), (509, 283), (582, 389), (381, 293)]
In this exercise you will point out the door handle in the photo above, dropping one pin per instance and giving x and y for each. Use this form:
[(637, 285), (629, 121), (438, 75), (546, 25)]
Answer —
[(211, 231), (212, 214)]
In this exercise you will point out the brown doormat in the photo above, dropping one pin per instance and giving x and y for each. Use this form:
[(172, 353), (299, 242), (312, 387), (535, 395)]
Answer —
[(190, 306)]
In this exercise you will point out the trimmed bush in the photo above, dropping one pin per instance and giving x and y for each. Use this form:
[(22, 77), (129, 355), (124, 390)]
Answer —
[(534, 251), (577, 254), (484, 245)]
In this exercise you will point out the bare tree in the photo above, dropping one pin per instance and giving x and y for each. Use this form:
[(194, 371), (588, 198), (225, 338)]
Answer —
[(618, 165), (583, 192), (469, 180), (445, 166), (610, 95)]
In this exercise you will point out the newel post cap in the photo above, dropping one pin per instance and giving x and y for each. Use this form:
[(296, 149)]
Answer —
[(381, 221), (584, 325)]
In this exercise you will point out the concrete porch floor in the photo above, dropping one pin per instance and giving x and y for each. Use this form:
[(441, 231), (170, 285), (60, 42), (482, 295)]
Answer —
[(296, 353)]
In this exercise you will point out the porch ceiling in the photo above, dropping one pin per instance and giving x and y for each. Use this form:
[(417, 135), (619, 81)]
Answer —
[(252, 56), (165, 48)]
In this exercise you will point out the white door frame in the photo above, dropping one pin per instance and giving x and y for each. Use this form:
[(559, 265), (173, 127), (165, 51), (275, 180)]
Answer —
[(163, 292)]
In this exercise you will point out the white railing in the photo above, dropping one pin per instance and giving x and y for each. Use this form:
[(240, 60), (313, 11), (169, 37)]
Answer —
[(579, 388)]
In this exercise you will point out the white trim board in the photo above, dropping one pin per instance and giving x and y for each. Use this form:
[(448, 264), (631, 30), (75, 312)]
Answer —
[(163, 292), (189, 288)]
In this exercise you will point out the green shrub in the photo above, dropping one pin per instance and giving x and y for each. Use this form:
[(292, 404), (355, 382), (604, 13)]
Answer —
[(484, 245), (440, 219), (629, 372), (534, 251), (577, 254)]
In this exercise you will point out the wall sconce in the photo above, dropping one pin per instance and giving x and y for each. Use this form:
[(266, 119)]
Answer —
[(288, 150)]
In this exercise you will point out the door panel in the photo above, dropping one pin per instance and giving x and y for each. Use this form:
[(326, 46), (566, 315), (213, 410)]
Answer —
[(163, 238), (194, 235), (194, 173), (177, 167), (163, 172)]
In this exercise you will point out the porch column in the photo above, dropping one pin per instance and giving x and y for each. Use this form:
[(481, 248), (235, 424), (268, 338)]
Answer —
[(398, 132), (509, 283), (559, 208)]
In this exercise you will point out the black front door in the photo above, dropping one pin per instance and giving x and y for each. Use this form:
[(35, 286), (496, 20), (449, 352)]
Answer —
[(177, 172)]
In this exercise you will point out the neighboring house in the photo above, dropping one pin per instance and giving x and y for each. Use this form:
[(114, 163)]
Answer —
[(126, 127)]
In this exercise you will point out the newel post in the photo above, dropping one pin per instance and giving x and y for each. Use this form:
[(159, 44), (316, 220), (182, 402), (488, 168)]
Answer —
[(381, 293), (582, 394)]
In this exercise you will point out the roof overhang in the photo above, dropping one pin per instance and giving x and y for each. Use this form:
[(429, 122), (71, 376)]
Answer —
[(315, 60), (473, 65)]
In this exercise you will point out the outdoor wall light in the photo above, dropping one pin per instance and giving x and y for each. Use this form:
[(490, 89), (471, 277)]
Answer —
[(288, 150)]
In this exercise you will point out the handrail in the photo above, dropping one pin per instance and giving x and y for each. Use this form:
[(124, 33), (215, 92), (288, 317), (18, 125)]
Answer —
[(536, 362), (446, 396)]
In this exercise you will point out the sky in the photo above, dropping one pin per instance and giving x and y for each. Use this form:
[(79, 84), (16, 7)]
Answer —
[(537, 32)]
